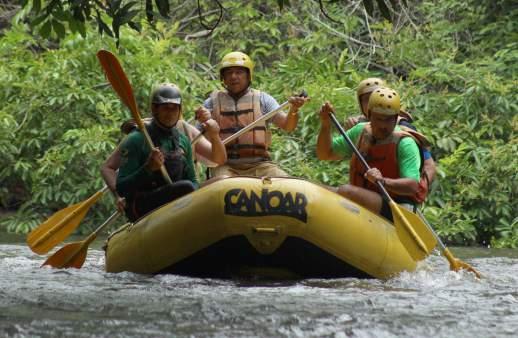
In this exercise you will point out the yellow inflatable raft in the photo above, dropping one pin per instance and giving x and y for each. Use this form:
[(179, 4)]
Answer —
[(276, 227)]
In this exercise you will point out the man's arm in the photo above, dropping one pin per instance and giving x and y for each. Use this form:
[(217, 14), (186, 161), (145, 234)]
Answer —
[(109, 170), (109, 173), (400, 186), (324, 140), (289, 121), (191, 173), (213, 148)]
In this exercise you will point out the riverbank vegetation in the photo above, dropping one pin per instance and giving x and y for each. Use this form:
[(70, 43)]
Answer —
[(454, 63)]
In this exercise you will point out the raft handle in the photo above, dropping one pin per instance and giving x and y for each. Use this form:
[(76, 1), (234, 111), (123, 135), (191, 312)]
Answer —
[(274, 231)]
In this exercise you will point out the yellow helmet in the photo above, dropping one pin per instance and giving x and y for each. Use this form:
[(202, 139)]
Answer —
[(236, 59), (384, 101), (369, 85)]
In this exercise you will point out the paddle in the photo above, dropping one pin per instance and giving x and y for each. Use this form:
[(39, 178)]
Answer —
[(122, 87), (73, 255), (261, 119), (455, 263), (416, 234), (411, 230), (60, 225)]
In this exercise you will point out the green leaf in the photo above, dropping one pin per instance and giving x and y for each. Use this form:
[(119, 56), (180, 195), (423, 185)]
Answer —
[(36, 5), (149, 10), (46, 29), (38, 20), (163, 7), (135, 25), (58, 28), (103, 27)]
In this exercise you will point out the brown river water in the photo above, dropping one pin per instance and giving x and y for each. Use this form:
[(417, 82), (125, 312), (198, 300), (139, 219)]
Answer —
[(430, 302)]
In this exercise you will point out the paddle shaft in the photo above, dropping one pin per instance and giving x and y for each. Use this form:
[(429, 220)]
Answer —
[(94, 234), (247, 128), (380, 186)]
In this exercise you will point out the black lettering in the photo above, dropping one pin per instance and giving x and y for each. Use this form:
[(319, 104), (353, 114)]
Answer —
[(272, 206), (269, 203), (243, 202), (256, 202), (229, 205)]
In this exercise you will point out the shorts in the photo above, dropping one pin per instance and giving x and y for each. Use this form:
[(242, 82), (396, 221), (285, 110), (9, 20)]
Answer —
[(387, 212), (259, 169)]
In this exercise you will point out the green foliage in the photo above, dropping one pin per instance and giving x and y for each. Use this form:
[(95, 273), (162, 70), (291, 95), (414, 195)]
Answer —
[(454, 62), (53, 19)]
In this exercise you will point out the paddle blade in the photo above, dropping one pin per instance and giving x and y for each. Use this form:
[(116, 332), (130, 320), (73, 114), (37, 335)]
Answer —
[(57, 228), (72, 255), (412, 232), (119, 81), (457, 265)]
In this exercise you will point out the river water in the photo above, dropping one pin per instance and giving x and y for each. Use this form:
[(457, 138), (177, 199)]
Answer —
[(89, 302)]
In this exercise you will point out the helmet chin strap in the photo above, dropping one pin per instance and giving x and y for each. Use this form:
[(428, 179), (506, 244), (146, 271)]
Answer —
[(161, 126)]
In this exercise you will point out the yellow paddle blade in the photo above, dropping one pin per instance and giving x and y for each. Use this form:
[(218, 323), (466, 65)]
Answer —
[(417, 239), (57, 228), (72, 255), (60, 225), (457, 265)]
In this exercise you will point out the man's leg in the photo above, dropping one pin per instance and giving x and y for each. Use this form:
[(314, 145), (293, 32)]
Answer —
[(368, 199), (269, 169), (146, 202), (223, 170)]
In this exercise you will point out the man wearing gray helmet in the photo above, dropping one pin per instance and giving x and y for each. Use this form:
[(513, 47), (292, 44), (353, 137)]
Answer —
[(139, 180)]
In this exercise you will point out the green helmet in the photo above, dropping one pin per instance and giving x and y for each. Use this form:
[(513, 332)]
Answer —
[(166, 93)]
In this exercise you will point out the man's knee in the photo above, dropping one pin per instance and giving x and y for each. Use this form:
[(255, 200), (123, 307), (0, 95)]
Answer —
[(183, 187), (347, 191)]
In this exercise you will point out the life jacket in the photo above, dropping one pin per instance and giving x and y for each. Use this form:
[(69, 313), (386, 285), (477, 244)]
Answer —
[(232, 115), (173, 158), (383, 155)]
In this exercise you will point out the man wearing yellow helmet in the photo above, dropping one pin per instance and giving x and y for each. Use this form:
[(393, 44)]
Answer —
[(392, 153), (238, 105), (363, 93)]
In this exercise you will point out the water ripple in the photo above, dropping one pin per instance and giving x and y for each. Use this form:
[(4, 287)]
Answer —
[(432, 301)]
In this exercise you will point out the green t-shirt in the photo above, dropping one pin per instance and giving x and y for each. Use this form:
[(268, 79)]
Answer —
[(133, 173), (409, 158)]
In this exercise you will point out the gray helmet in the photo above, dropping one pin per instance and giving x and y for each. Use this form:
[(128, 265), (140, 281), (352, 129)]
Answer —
[(166, 93)]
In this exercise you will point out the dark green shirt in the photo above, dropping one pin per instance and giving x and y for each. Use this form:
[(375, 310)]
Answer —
[(133, 174)]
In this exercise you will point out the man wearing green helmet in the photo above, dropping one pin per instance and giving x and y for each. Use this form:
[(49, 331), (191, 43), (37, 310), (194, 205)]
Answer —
[(392, 153), (238, 105)]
